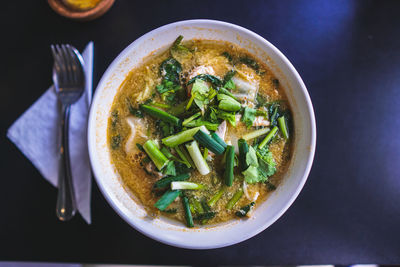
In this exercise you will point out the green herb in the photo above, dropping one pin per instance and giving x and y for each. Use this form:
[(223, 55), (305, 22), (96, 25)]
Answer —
[(249, 115), (275, 82), (208, 142), (261, 101), (200, 92), (216, 197), (243, 149), (160, 114), (140, 147), (135, 112), (166, 199), (170, 69), (155, 154), (116, 141), (266, 162), (228, 56), (255, 134), (166, 181), (229, 164), (188, 214), (250, 63), (228, 77), (197, 158), (226, 92), (180, 138), (236, 197), (114, 118), (164, 128), (227, 103), (244, 210), (230, 117), (215, 81), (270, 186), (205, 216), (274, 113), (268, 138), (186, 185), (200, 122), (169, 169), (219, 140), (170, 211), (251, 174), (191, 118), (283, 127)]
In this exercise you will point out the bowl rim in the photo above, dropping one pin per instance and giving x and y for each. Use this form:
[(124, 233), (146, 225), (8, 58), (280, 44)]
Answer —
[(311, 154)]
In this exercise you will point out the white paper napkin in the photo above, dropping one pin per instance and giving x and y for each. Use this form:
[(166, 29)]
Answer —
[(36, 134)]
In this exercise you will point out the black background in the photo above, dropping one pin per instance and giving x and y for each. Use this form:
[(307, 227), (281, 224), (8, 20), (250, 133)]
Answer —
[(347, 53)]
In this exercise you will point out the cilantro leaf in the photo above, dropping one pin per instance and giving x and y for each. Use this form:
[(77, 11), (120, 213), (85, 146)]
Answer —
[(251, 157), (249, 115), (230, 117), (169, 169), (251, 175), (200, 91), (266, 161)]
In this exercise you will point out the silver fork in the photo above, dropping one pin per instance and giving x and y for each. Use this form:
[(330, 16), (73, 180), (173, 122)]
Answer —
[(69, 84)]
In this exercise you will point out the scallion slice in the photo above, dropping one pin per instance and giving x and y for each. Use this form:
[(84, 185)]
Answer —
[(229, 164), (155, 154), (160, 114), (255, 133), (243, 149), (268, 138), (283, 127), (197, 157), (167, 199), (219, 140), (166, 181), (236, 197), (205, 140), (185, 185)]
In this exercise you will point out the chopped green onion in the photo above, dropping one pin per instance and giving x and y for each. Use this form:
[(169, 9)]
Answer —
[(203, 217), (229, 164), (245, 210), (189, 104), (283, 127), (197, 206), (167, 199), (268, 138), (228, 103), (205, 153), (219, 140), (160, 114), (160, 105), (199, 122), (191, 118), (186, 185), (166, 181), (155, 154), (255, 133), (236, 197), (243, 149), (208, 142), (188, 214), (184, 156), (179, 109), (216, 197), (226, 92), (197, 158), (180, 138)]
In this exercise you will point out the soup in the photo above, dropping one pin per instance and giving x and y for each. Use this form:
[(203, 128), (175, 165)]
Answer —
[(201, 132)]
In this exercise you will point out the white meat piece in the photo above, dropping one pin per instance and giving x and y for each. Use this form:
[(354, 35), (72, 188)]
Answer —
[(136, 126), (246, 87), (201, 70), (221, 130), (261, 121)]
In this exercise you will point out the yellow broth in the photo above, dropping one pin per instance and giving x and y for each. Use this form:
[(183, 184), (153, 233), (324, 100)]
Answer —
[(140, 84)]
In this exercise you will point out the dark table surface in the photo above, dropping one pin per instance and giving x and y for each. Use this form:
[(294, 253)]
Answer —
[(348, 54)]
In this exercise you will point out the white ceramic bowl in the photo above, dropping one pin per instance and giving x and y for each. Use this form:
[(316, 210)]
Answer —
[(175, 233)]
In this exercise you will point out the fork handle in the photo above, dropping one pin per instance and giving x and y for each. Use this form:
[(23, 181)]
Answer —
[(66, 205)]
